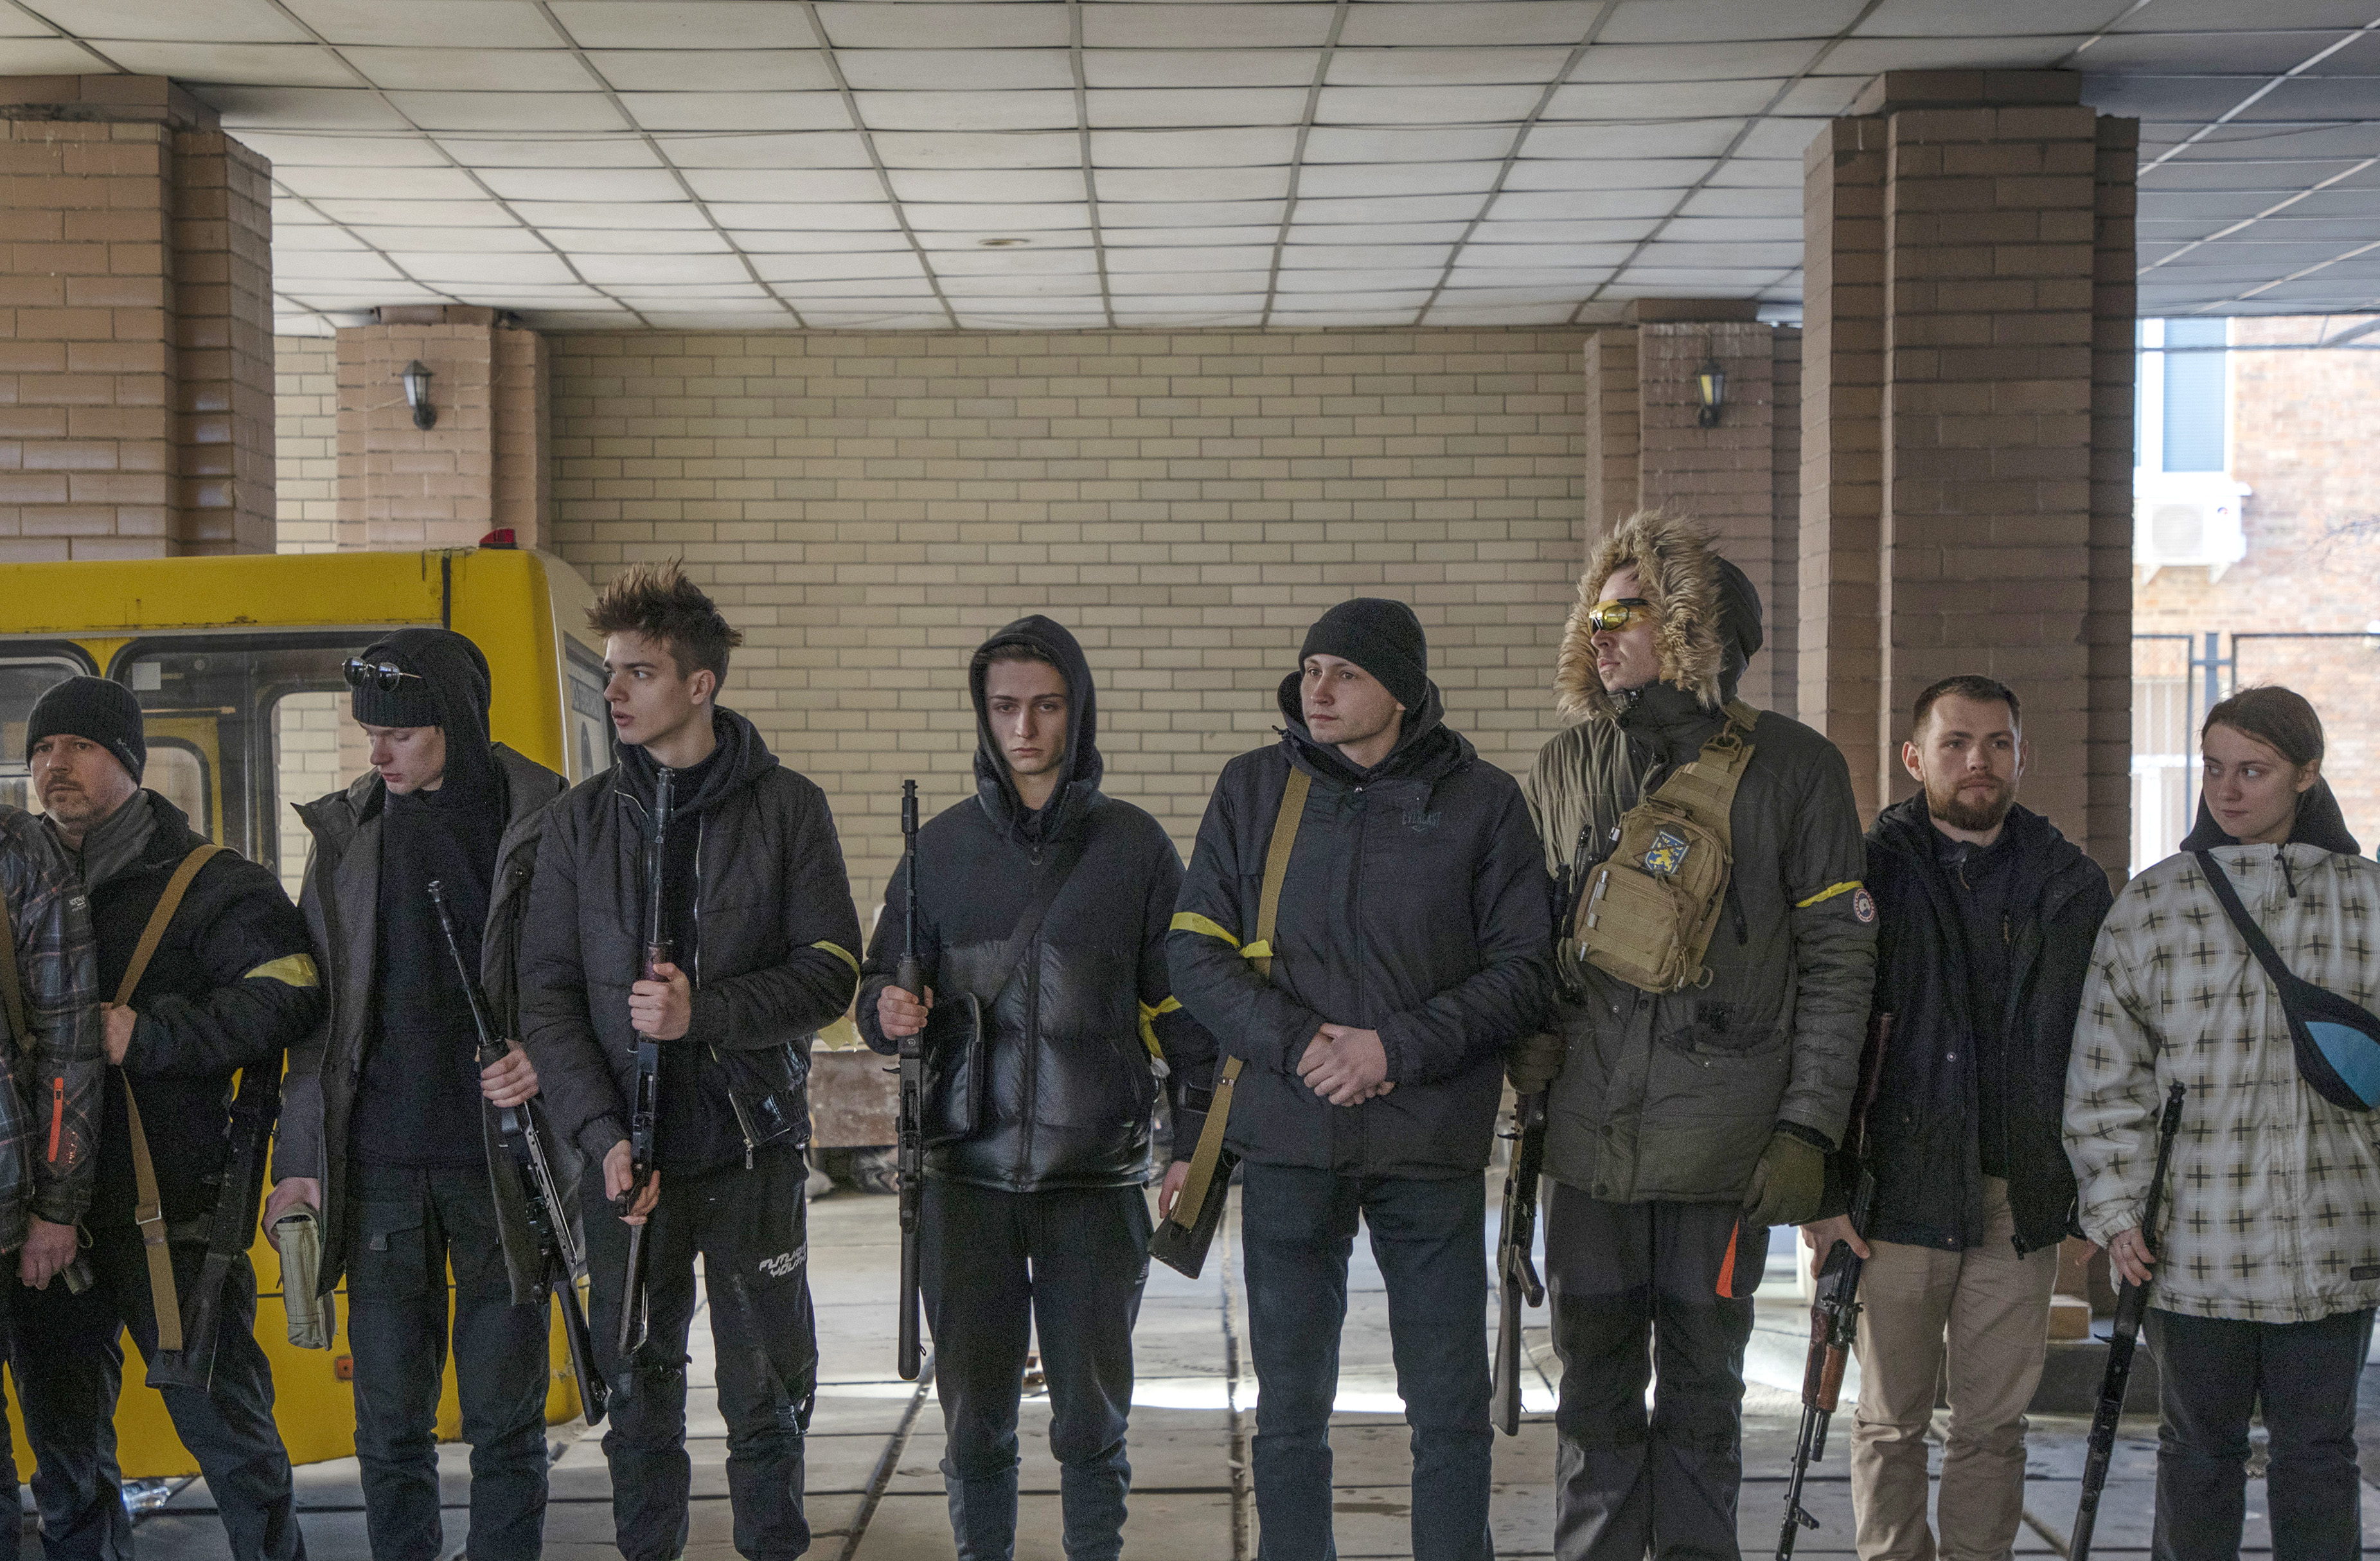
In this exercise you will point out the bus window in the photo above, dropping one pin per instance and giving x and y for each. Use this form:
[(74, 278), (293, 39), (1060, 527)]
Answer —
[(215, 701), (591, 719), (22, 680), (316, 750)]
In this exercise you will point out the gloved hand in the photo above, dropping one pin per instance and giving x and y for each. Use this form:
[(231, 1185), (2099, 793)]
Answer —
[(1789, 1184), (1534, 1061)]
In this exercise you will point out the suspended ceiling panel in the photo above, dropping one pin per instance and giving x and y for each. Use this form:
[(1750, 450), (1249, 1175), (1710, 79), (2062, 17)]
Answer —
[(1010, 163)]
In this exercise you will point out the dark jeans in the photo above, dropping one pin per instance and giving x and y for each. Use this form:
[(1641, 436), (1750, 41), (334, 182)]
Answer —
[(409, 1225), (68, 1361), (751, 1229), (997, 1265), (1633, 1287), (1429, 1237), (2212, 1373)]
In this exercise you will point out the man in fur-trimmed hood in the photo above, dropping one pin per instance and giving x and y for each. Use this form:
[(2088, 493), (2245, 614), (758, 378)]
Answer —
[(1682, 1124)]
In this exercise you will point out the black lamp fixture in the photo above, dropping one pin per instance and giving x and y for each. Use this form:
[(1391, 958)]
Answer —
[(417, 394), (1710, 384)]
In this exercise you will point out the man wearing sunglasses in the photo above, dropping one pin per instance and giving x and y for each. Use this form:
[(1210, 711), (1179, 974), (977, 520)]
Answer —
[(1687, 1113), (388, 1130)]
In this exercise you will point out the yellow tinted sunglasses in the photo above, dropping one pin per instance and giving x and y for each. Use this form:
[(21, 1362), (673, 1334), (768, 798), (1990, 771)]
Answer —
[(1612, 617)]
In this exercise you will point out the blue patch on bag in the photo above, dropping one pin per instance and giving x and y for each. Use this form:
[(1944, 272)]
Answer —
[(1667, 855), (2353, 1057)]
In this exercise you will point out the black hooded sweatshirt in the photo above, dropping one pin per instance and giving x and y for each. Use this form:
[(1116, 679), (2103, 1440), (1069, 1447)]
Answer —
[(2319, 822), (1070, 1073), (421, 1071)]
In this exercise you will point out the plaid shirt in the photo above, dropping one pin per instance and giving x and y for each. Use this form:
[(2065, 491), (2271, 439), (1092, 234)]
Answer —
[(2272, 1210), (49, 1124)]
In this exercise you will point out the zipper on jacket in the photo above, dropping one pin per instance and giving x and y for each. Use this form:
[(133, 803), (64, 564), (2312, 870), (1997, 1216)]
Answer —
[(1355, 919), (2281, 855), (1735, 909), (1032, 960), (743, 1126)]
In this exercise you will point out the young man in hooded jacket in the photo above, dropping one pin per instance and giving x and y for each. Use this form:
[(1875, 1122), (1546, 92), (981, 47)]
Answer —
[(758, 913), (1409, 949), (388, 1120), (1033, 1210), (229, 987), (1986, 920), (1680, 1124)]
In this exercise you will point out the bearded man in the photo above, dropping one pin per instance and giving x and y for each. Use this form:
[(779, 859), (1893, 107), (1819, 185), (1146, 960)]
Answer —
[(1987, 917)]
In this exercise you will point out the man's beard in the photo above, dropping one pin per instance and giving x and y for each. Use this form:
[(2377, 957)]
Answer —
[(1950, 805)]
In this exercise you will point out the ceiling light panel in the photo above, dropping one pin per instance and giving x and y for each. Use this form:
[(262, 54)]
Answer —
[(1199, 67), (1192, 184), (1427, 105), (1115, 108), (935, 70), (967, 110), (703, 70), (1249, 147), (987, 184), (1401, 67)]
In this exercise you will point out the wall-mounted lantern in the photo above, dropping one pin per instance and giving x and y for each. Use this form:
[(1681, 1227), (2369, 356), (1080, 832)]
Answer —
[(417, 394), (1710, 383)]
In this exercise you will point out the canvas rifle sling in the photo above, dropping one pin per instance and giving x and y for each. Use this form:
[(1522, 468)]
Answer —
[(150, 1215), (1258, 952)]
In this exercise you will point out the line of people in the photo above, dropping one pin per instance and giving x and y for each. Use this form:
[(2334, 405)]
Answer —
[(1674, 929)]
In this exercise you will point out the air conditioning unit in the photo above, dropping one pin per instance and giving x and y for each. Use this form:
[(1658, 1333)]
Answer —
[(2182, 518)]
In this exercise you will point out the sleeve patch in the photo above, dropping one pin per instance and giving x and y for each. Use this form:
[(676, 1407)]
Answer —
[(291, 969)]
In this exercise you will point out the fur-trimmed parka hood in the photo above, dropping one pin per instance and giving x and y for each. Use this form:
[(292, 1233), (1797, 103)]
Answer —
[(1708, 616)]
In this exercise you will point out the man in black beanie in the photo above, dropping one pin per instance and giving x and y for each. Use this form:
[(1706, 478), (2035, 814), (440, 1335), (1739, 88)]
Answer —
[(389, 1127), (1366, 1025), (229, 986)]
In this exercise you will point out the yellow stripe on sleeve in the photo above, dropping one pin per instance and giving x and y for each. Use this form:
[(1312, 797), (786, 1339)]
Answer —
[(1826, 894), (1191, 922), (290, 970)]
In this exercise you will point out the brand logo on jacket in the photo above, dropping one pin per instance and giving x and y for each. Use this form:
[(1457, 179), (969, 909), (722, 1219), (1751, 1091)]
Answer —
[(1419, 822), (2364, 1271), (1862, 905), (782, 1266)]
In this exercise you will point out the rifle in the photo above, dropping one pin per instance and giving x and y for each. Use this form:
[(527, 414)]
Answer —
[(2131, 1302), (233, 1226), (522, 1130), (1834, 1314), (644, 1108), (910, 978), (1516, 1269)]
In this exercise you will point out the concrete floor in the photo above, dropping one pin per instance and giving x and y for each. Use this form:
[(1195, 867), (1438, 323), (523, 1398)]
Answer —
[(875, 1491)]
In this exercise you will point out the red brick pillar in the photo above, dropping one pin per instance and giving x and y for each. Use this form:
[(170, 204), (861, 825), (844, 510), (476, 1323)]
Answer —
[(1647, 449), (482, 465), (136, 326), (1963, 411)]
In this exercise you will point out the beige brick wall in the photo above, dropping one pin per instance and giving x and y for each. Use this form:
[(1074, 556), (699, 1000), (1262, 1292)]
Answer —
[(483, 464), (306, 400), (867, 506)]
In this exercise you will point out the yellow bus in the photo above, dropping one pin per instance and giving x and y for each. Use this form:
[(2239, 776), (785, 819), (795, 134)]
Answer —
[(236, 662)]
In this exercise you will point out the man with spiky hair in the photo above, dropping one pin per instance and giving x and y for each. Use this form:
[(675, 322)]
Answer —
[(1692, 1102), (758, 911)]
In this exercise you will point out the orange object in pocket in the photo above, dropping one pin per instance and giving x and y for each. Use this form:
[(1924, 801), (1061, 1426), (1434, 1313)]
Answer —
[(57, 1114)]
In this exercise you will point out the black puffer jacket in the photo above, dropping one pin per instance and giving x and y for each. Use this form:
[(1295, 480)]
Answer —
[(1922, 1140), (1070, 1080), (1415, 905), (768, 953), (232, 985)]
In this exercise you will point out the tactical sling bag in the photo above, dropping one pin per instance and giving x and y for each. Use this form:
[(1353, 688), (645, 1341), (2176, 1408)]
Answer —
[(1651, 905)]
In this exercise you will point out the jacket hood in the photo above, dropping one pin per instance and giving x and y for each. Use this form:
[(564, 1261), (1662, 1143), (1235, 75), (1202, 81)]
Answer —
[(995, 789), (455, 673), (742, 759), (2040, 848), (1426, 740), (2320, 823), (1707, 615)]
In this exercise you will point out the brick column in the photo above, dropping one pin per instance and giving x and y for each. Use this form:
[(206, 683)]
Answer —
[(135, 341), (1962, 415), (484, 463), (1647, 449)]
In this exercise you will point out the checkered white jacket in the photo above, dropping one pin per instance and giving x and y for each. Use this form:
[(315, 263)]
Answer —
[(2272, 1210)]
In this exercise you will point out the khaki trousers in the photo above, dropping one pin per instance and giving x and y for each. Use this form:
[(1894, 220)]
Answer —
[(1994, 1308)]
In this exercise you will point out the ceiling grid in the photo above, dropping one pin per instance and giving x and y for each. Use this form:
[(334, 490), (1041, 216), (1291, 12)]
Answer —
[(991, 164)]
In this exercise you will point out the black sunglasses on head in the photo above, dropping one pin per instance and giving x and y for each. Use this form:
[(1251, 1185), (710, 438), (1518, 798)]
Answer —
[(384, 675)]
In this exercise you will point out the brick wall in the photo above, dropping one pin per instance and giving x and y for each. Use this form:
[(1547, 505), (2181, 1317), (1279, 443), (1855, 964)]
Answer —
[(2304, 426), (868, 506), (135, 349), (306, 402), (482, 463)]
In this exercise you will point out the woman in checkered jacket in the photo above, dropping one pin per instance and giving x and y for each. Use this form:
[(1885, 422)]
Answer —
[(2267, 1265)]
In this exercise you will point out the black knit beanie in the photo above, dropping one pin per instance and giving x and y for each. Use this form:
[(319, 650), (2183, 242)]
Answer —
[(409, 703), (1380, 636), (97, 711)]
